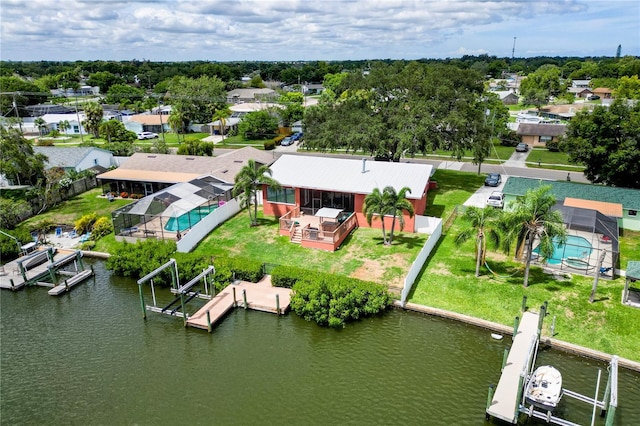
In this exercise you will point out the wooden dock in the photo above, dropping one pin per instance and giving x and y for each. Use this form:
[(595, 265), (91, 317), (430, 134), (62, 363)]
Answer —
[(505, 404), (13, 277), (70, 282), (260, 296)]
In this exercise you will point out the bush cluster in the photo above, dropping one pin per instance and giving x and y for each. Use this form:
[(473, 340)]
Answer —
[(9, 248), (137, 260), (101, 227), (269, 145), (329, 299), (85, 223)]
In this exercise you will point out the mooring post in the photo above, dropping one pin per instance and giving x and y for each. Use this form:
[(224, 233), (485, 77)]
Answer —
[(278, 304), (515, 326), (541, 315), (504, 357), (144, 311), (235, 303), (208, 322), (66, 285), (607, 399), (13, 288), (79, 257), (489, 399), (244, 297), (524, 303), (52, 274), (184, 313), (553, 326), (520, 390)]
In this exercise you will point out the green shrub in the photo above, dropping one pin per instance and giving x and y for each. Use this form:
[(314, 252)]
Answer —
[(553, 146), (9, 248), (44, 142), (286, 276), (85, 223), (334, 300), (88, 245), (278, 139), (101, 227), (269, 145), (139, 259)]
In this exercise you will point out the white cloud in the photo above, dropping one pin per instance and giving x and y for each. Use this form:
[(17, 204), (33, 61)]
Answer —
[(226, 30)]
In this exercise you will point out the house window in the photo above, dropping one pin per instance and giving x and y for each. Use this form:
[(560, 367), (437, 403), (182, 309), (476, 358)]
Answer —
[(546, 138), (76, 129), (284, 195), (633, 212)]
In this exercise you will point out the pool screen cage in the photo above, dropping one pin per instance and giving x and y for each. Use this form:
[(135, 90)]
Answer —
[(174, 210), (592, 245)]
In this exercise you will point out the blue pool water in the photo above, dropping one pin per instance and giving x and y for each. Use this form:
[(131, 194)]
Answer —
[(187, 220), (574, 247)]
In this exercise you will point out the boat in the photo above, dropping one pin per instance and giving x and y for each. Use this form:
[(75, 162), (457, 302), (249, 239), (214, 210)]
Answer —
[(544, 388)]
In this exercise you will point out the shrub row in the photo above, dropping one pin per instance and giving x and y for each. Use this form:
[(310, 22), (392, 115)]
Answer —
[(329, 299)]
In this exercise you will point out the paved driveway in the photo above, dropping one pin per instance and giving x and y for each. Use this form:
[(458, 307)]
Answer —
[(479, 198)]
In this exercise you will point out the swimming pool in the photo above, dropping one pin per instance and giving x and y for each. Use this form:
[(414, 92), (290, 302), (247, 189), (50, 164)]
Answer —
[(187, 220), (575, 246)]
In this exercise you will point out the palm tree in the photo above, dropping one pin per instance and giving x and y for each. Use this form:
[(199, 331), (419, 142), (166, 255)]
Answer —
[(375, 205), (532, 218), (41, 124), (222, 115), (397, 204), (63, 126), (176, 122), (478, 220), (246, 186)]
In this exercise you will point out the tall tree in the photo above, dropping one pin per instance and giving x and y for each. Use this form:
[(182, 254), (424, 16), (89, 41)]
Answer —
[(196, 99), (258, 125), (531, 219), (18, 161), (176, 121), (118, 92), (93, 117), (607, 142), (540, 85), (481, 222), (247, 182), (41, 125), (63, 125)]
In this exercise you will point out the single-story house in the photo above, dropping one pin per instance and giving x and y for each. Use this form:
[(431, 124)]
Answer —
[(156, 123), (538, 134), (582, 84), (507, 97), (333, 190), (146, 173), (568, 192), (76, 158), (580, 92), (562, 112), (312, 88), (251, 94), (603, 92), (75, 122)]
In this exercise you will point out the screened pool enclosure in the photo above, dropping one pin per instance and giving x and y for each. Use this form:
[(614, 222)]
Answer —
[(171, 212), (591, 246)]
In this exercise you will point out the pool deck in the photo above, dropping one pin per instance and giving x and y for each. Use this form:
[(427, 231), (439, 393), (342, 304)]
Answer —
[(260, 296)]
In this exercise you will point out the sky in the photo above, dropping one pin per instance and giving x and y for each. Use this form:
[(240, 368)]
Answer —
[(305, 30)]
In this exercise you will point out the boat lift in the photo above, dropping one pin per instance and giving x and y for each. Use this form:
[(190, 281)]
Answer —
[(185, 295)]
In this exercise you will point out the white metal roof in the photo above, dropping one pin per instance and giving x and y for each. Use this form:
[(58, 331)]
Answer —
[(346, 175)]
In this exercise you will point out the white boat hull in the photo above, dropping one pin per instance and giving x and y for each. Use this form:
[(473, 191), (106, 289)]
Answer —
[(544, 388)]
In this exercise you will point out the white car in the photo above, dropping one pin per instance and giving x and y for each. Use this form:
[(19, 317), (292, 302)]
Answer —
[(147, 135), (496, 199)]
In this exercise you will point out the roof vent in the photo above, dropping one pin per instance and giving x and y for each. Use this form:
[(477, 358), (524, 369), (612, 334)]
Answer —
[(189, 158), (151, 156), (237, 161), (364, 165)]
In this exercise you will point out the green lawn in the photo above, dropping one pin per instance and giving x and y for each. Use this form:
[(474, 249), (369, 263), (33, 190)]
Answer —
[(362, 255), (453, 189), (551, 160)]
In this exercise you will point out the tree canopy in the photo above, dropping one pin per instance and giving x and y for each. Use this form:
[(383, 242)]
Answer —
[(196, 99), (258, 125), (18, 161), (399, 110), (607, 142)]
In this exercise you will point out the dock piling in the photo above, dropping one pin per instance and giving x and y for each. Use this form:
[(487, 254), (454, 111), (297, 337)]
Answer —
[(244, 298), (543, 313), (524, 303), (515, 326), (489, 399), (208, 321), (504, 357), (235, 303), (278, 303)]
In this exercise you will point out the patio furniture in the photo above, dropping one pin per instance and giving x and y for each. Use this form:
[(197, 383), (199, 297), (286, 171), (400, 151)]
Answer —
[(85, 237), (58, 232), (73, 234)]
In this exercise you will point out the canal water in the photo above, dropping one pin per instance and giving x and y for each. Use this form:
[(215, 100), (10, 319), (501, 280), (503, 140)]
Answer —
[(88, 358)]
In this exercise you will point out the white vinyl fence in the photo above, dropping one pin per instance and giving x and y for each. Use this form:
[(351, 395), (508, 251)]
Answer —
[(435, 226), (207, 224)]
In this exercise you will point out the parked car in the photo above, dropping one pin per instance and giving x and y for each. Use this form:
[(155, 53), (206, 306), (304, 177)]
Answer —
[(287, 141), (147, 135), (496, 199), (493, 179), (593, 97), (522, 147)]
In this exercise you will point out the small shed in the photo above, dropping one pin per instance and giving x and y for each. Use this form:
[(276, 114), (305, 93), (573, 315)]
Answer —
[(631, 293)]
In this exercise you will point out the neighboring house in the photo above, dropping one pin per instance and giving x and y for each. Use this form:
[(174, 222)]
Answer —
[(603, 92), (156, 123), (507, 97), (580, 84), (312, 88), (231, 122), (297, 126), (562, 112), (82, 91), (567, 192), (163, 110), (250, 95), (42, 109), (77, 158), (146, 173), (311, 183), (538, 134), (75, 122), (580, 92)]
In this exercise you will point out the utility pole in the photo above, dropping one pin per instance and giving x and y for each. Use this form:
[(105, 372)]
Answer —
[(79, 123), (513, 50), (15, 108)]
